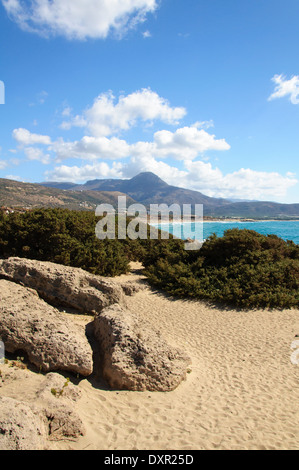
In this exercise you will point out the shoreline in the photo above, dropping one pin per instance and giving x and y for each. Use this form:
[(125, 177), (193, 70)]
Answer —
[(224, 221)]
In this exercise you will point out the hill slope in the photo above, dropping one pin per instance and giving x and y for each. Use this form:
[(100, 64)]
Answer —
[(28, 195)]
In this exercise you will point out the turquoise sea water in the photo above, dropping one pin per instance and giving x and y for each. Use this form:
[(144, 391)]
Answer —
[(287, 230)]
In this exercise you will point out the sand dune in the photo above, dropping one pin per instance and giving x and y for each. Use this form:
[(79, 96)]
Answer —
[(242, 391)]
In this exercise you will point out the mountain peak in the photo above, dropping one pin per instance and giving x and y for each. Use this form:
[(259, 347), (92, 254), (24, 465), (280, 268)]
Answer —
[(147, 177)]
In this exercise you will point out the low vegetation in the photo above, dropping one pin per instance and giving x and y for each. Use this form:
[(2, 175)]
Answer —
[(242, 268), (61, 236)]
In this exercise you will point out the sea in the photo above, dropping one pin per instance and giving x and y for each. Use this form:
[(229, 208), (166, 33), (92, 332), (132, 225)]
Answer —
[(287, 230)]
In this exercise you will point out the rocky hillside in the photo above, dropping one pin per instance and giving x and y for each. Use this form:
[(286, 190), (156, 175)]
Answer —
[(28, 195)]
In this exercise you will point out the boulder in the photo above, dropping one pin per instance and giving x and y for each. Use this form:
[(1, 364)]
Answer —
[(134, 357), (20, 427), (30, 426), (57, 386), (51, 340), (132, 288), (61, 421), (63, 285)]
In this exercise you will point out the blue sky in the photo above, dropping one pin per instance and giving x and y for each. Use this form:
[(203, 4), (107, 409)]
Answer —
[(204, 93)]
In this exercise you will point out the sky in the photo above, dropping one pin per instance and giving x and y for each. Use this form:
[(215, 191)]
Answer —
[(203, 93)]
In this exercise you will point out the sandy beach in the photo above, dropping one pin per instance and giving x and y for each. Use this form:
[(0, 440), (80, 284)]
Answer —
[(241, 392)]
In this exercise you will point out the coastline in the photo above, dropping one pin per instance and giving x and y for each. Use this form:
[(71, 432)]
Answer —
[(231, 220), (224, 221)]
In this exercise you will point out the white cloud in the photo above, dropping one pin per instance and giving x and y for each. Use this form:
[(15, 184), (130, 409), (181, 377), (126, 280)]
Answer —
[(13, 177), (105, 117), (84, 173), (183, 144), (67, 111), (35, 153), (42, 96), (203, 124), (78, 19), (244, 183), (146, 34), (25, 137), (285, 88), (169, 173), (92, 148), (187, 143), (3, 164)]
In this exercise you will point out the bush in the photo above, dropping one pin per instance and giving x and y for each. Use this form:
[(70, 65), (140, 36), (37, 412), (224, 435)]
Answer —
[(61, 236), (68, 237), (243, 268)]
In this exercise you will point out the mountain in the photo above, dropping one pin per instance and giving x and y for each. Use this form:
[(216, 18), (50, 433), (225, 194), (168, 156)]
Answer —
[(147, 188), (29, 195)]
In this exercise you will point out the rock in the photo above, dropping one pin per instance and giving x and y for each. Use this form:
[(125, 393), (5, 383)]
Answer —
[(62, 421), (20, 427), (134, 357), (27, 426), (56, 398), (63, 285), (56, 386), (51, 340), (131, 288)]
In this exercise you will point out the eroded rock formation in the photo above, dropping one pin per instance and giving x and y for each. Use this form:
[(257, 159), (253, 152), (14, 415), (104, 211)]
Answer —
[(134, 357)]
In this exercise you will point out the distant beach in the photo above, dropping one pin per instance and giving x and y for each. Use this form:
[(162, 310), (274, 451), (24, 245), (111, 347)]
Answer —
[(285, 229)]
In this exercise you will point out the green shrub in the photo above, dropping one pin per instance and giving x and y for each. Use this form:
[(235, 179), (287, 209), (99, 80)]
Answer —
[(68, 237), (242, 268), (61, 236)]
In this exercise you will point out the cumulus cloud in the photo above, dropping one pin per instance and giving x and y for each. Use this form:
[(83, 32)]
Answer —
[(183, 144), (92, 148), (106, 116), (244, 183), (25, 137), (77, 19), (187, 143), (35, 153), (285, 88), (84, 173), (169, 173)]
